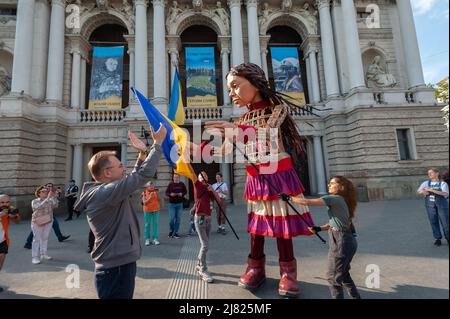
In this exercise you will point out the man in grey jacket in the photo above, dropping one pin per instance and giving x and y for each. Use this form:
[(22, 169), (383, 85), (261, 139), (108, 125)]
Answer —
[(111, 216)]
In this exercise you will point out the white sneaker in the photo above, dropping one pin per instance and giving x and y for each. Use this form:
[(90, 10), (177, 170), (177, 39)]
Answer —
[(46, 257), (147, 242), (35, 261), (156, 242), (205, 275)]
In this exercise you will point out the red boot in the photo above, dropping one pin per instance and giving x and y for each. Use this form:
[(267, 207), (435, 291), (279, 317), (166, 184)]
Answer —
[(254, 275), (288, 284)]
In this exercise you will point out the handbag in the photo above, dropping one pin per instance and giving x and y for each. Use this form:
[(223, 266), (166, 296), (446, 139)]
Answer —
[(43, 220), (186, 202)]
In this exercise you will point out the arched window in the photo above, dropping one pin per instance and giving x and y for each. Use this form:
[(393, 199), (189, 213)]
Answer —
[(109, 35), (283, 36), (200, 36)]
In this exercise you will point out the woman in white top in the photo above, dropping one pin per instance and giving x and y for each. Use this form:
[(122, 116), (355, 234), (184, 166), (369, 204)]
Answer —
[(41, 222), (436, 193), (221, 189)]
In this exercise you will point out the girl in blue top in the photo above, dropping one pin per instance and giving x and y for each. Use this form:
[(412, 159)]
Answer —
[(341, 203)]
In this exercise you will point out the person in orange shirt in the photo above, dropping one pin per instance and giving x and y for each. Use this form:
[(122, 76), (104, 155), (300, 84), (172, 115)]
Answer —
[(151, 207), (7, 213)]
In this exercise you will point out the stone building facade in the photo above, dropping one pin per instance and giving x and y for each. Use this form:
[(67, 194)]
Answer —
[(378, 123)]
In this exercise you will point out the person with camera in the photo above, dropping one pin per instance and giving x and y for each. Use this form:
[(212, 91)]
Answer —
[(111, 216), (7, 213), (41, 222), (71, 196), (175, 192), (55, 224)]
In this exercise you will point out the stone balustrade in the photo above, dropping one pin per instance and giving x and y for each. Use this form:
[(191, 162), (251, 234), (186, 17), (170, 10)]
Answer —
[(102, 116)]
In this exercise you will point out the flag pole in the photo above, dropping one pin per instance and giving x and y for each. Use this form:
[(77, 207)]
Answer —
[(220, 208)]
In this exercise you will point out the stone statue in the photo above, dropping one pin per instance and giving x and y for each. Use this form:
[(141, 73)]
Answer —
[(376, 76), (128, 10), (197, 4), (174, 13), (286, 5), (308, 13), (5, 81), (222, 14), (102, 4), (265, 12)]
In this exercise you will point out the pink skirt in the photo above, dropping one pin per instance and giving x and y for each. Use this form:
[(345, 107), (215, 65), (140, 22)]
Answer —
[(268, 215)]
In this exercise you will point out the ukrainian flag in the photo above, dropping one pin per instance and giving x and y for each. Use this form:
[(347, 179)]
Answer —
[(175, 143), (176, 107)]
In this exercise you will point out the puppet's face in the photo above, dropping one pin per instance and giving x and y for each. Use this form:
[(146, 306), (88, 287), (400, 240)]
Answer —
[(241, 91)]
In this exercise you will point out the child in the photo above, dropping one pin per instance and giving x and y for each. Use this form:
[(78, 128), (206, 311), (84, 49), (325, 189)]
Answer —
[(7, 213), (341, 203), (203, 194), (151, 209)]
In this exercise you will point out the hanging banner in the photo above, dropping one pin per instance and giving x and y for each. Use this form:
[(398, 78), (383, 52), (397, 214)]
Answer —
[(200, 77), (106, 79), (286, 73)]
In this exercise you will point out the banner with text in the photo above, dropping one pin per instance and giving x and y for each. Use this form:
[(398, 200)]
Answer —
[(286, 73), (200, 77), (106, 78)]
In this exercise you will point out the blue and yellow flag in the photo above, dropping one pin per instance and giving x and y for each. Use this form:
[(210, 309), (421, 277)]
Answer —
[(175, 142), (176, 107)]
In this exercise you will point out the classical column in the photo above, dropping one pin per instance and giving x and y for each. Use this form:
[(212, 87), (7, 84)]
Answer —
[(309, 79), (83, 84), (314, 76), (131, 52), (23, 47), (254, 48), (40, 49), (264, 62), (339, 40), (131, 75), (173, 63), (55, 66), (77, 167), (76, 76), (237, 46), (159, 50), (141, 63), (411, 46), (354, 59), (124, 154), (225, 53), (320, 168), (264, 41), (226, 176), (329, 55)]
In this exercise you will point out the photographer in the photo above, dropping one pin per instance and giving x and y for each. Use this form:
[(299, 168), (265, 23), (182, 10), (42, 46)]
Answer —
[(71, 196), (55, 224), (7, 213)]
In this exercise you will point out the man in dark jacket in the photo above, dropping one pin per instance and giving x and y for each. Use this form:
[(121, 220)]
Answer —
[(111, 216)]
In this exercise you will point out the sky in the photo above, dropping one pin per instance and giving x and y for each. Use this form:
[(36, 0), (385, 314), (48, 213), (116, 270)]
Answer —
[(432, 26)]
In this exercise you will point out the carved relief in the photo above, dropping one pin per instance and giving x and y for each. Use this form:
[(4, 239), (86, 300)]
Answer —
[(197, 5), (307, 14), (5, 81)]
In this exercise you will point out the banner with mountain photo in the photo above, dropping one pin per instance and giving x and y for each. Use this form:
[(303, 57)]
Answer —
[(286, 73), (106, 79), (200, 77)]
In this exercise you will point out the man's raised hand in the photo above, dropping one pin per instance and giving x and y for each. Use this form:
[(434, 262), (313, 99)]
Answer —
[(136, 143), (159, 135)]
